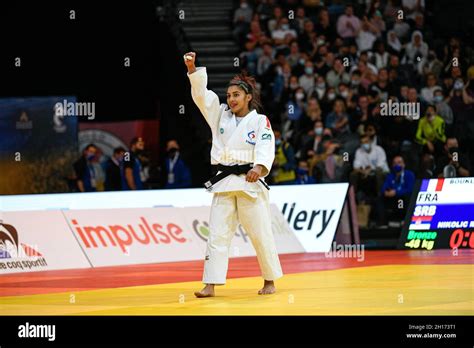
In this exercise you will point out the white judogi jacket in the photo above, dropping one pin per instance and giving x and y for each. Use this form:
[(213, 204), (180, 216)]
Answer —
[(252, 141)]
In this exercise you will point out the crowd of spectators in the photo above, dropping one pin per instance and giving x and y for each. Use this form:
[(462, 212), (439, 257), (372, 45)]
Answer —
[(129, 169), (326, 69)]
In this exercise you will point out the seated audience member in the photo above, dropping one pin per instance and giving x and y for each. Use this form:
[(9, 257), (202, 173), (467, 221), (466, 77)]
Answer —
[(396, 191), (370, 166)]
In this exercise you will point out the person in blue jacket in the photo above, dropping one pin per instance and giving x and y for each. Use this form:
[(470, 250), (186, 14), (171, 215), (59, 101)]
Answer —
[(302, 174), (177, 173), (396, 191), (131, 166), (84, 170)]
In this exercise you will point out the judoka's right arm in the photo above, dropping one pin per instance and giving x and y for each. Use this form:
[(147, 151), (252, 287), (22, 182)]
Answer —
[(206, 100)]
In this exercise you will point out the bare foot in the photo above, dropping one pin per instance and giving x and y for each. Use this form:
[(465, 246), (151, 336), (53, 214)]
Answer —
[(268, 288), (207, 291)]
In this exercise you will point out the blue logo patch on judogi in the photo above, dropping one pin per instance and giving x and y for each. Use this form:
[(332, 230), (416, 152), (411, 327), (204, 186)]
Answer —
[(251, 138)]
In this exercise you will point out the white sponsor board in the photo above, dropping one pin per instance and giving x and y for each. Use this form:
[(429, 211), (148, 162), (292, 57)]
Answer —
[(107, 200), (312, 211), (148, 235), (134, 236), (285, 240), (198, 219), (37, 241)]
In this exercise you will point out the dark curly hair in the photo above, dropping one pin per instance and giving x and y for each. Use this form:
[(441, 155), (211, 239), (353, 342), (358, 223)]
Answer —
[(248, 84)]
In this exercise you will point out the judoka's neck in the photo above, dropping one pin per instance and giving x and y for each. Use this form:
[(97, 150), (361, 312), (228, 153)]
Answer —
[(243, 113)]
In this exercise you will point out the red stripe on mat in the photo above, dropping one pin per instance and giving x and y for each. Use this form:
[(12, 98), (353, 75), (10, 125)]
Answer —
[(136, 275)]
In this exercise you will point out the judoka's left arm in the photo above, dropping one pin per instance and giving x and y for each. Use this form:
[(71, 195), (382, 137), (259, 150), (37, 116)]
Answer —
[(264, 151)]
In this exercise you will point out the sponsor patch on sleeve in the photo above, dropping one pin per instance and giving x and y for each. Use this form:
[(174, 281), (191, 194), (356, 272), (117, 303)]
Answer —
[(268, 125)]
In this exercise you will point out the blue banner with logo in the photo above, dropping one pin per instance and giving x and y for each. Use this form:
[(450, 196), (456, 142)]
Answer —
[(38, 145)]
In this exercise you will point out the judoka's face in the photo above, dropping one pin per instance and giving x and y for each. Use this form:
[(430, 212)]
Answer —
[(238, 100)]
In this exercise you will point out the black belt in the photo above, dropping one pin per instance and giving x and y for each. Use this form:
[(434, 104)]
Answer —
[(225, 171)]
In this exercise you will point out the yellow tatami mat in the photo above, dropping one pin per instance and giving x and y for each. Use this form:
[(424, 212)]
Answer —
[(375, 290)]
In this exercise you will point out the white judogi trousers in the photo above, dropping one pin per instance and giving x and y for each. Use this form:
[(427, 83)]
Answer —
[(227, 210)]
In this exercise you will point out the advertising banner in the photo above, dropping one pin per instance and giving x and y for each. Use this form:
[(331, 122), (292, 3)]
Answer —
[(38, 145), (311, 211), (133, 236), (37, 241)]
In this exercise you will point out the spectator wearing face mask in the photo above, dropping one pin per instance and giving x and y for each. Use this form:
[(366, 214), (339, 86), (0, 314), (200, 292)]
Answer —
[(355, 83), (370, 166), (177, 173), (319, 89), (296, 105), (431, 132), (371, 130), (312, 140), (443, 109), (86, 178), (398, 185), (307, 79), (302, 174), (242, 19), (452, 163), (131, 166), (289, 91), (279, 35), (345, 93)]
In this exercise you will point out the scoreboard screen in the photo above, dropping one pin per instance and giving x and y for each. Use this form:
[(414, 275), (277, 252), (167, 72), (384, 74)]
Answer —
[(440, 215)]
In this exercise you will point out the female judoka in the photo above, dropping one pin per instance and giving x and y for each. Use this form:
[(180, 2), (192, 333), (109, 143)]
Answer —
[(243, 148)]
